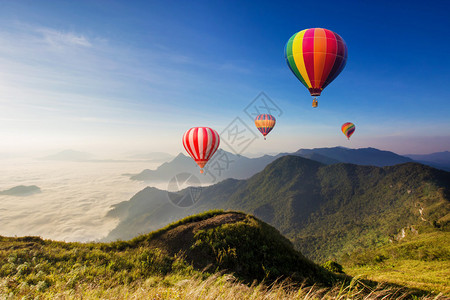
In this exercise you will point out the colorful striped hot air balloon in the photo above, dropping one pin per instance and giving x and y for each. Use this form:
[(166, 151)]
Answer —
[(265, 123), (316, 56), (348, 129), (201, 143)]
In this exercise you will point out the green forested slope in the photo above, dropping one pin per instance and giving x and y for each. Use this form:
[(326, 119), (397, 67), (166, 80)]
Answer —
[(326, 211)]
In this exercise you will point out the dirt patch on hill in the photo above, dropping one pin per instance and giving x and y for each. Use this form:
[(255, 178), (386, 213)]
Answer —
[(181, 238)]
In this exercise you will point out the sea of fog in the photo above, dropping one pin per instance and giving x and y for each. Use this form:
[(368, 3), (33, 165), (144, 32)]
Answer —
[(74, 198)]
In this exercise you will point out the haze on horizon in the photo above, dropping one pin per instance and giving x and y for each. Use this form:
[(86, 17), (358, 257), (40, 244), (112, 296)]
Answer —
[(113, 77)]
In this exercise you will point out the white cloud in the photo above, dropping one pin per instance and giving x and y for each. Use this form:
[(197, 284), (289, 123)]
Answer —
[(74, 200), (61, 39)]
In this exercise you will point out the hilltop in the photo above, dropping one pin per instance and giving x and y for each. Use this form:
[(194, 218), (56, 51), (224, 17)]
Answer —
[(21, 190), (231, 241), (234, 241)]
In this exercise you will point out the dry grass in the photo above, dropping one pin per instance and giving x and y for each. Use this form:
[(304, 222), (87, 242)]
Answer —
[(419, 261), (429, 276), (224, 286)]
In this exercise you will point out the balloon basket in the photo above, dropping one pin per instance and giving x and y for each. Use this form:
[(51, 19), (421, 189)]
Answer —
[(201, 171)]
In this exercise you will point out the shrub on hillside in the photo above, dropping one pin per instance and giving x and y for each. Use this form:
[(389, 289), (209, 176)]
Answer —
[(333, 266)]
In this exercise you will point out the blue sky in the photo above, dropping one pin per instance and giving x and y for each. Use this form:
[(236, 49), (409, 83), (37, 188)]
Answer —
[(124, 76)]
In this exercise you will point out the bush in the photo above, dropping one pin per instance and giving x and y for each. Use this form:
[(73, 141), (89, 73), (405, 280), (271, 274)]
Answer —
[(333, 266), (379, 258)]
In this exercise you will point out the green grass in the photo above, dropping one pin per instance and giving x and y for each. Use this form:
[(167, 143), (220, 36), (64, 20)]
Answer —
[(216, 286), (419, 261), (248, 248), (31, 266), (256, 250), (34, 268)]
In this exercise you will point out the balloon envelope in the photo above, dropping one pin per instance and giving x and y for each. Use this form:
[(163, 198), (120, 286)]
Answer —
[(201, 143), (316, 56), (348, 129), (265, 123)]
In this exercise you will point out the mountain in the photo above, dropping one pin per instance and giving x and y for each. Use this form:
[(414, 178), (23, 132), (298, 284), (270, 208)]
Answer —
[(69, 155), (167, 170), (225, 165), (437, 157), (439, 160), (362, 156), (325, 210), (373, 157), (221, 166), (21, 190), (153, 156), (316, 156)]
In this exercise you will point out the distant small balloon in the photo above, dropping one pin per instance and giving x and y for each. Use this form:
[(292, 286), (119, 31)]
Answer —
[(348, 129), (201, 143), (265, 123)]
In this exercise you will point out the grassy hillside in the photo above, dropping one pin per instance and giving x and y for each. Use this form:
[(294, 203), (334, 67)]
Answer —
[(417, 260), (326, 211), (193, 258), (210, 242), (233, 241)]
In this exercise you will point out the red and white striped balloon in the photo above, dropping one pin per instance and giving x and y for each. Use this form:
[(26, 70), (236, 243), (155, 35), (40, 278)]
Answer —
[(201, 143)]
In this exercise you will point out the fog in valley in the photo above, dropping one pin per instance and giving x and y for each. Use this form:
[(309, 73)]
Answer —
[(73, 199)]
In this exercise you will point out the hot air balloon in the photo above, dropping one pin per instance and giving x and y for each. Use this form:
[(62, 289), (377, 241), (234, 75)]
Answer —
[(201, 143), (348, 129), (316, 56), (265, 123)]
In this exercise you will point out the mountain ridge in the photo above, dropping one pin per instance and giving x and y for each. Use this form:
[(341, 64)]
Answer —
[(21, 190), (225, 164), (309, 201)]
